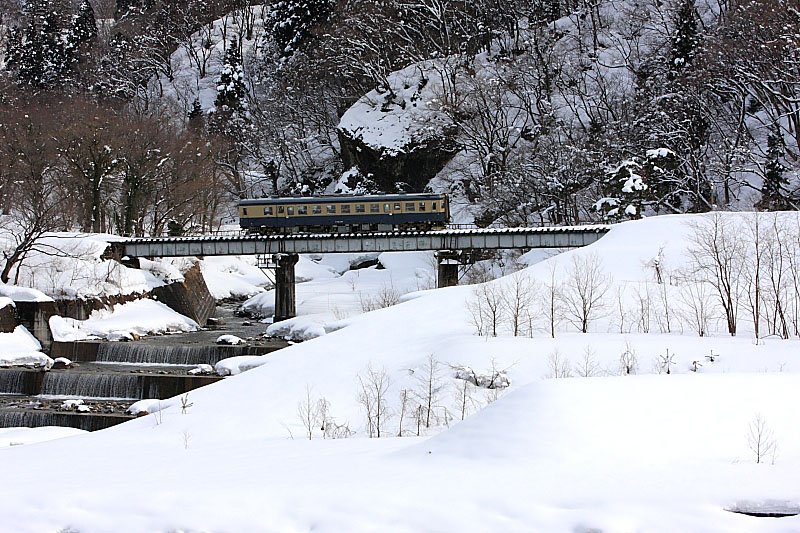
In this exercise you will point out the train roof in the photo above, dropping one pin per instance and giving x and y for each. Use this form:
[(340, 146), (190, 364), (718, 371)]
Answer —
[(341, 198)]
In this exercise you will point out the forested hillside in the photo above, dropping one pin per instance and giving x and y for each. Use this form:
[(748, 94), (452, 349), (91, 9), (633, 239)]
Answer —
[(140, 117)]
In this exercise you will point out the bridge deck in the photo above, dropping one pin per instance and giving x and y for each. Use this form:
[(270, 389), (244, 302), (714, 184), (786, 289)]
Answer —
[(460, 239)]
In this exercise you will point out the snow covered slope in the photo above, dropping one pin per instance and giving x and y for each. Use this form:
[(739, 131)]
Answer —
[(614, 452)]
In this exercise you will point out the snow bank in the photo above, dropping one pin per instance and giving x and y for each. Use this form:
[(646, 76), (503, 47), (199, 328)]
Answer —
[(610, 452), (20, 436), (301, 328), (233, 277), (20, 348), (22, 294), (140, 317), (241, 363)]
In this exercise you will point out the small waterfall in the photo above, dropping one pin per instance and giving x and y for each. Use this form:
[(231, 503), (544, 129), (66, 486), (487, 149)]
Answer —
[(92, 385), (14, 381), (34, 419), (133, 352)]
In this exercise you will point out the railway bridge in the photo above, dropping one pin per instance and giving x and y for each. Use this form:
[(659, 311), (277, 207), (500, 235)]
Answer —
[(452, 246)]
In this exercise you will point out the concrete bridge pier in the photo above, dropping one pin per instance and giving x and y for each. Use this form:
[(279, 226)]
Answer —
[(448, 262), (285, 306)]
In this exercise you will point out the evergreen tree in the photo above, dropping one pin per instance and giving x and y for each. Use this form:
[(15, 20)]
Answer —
[(41, 53), (686, 40), (195, 116), (83, 28), (231, 90), (774, 195), (290, 22)]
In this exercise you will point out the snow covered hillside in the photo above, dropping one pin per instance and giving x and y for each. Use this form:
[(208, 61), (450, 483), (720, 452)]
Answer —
[(655, 430)]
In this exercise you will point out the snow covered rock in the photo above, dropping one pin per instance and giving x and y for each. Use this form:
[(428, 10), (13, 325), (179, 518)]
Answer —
[(301, 328), (20, 348), (137, 318), (202, 370), (232, 340), (399, 135)]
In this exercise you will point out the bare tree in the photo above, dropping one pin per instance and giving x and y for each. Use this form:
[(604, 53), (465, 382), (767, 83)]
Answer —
[(518, 297), (558, 365), (552, 304), (717, 258), (628, 361), (753, 270), (588, 367), (761, 439), (488, 301), (698, 303), (307, 413), (585, 291), (373, 387), (429, 390)]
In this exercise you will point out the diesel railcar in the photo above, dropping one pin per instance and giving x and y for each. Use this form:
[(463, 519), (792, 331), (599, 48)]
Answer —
[(343, 213)]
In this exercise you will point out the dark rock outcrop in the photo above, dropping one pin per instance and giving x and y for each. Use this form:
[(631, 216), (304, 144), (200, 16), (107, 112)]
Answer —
[(406, 170)]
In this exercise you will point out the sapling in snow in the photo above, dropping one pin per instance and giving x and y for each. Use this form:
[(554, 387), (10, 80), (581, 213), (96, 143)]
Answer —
[(761, 439)]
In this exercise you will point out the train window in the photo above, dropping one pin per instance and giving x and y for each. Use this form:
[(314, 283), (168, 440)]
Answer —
[(397, 206), (409, 206), (360, 208), (244, 211), (345, 209), (316, 209), (374, 208), (433, 206), (386, 208), (280, 209), (268, 210), (331, 209), (302, 209), (422, 206), (290, 210)]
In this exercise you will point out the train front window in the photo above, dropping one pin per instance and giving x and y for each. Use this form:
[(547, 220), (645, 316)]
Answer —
[(386, 208), (331, 209), (422, 206), (244, 211), (290, 210), (280, 209), (409, 206), (397, 206), (433, 206), (345, 209), (374, 208), (302, 210), (360, 208), (316, 209), (268, 210)]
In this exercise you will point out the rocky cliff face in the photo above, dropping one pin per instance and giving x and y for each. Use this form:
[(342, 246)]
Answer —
[(399, 138)]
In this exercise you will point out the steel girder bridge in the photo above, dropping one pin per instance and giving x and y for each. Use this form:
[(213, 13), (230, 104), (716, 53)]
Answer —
[(453, 247)]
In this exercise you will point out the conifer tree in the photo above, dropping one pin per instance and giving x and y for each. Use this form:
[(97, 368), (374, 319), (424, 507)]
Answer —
[(290, 22), (231, 90), (686, 39), (774, 196), (83, 28)]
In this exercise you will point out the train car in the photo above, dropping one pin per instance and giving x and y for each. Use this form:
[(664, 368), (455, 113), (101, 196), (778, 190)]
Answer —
[(344, 213)]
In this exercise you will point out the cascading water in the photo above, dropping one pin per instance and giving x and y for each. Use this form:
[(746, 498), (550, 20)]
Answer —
[(130, 352), (10, 419), (14, 381), (92, 385)]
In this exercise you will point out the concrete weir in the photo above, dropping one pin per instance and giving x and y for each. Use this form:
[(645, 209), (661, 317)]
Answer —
[(96, 382)]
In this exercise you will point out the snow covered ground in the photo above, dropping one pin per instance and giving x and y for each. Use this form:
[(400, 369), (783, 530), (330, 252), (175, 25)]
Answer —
[(638, 451)]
